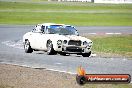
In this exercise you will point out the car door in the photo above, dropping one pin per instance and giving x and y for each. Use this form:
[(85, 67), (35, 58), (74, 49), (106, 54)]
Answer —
[(43, 38), (33, 39)]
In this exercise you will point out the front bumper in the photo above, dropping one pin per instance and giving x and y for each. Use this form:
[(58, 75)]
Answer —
[(74, 49)]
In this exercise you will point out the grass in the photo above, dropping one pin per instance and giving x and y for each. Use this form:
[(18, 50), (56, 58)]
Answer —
[(117, 44), (65, 6), (68, 18), (82, 14)]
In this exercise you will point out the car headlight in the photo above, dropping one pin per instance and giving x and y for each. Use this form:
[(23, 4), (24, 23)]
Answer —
[(65, 41), (90, 43), (85, 43), (59, 42)]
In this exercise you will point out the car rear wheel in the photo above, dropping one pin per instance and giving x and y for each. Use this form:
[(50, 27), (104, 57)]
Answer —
[(27, 47), (86, 54), (50, 49)]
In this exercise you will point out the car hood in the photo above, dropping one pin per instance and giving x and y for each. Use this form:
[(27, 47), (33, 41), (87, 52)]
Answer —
[(70, 37), (74, 37)]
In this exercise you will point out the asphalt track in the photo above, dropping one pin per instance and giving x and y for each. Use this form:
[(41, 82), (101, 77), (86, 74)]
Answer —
[(16, 55)]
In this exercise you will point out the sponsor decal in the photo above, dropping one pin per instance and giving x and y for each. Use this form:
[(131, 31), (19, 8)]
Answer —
[(83, 78)]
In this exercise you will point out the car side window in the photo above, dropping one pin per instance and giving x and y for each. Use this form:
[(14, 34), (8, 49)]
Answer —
[(46, 29), (38, 29), (33, 30)]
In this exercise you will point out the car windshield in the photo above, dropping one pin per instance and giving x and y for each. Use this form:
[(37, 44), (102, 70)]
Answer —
[(54, 26), (63, 30)]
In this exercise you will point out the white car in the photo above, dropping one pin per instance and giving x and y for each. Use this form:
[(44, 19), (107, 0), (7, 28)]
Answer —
[(56, 38)]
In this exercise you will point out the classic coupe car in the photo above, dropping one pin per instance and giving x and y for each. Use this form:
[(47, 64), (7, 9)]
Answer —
[(56, 38)]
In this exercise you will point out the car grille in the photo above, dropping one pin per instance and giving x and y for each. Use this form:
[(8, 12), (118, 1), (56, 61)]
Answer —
[(76, 43), (73, 49)]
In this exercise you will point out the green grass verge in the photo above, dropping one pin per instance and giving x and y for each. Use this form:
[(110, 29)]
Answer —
[(66, 6), (83, 14), (67, 18), (117, 44)]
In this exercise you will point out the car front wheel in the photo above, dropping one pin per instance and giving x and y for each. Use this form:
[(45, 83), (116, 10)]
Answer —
[(50, 49), (86, 54), (27, 47)]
